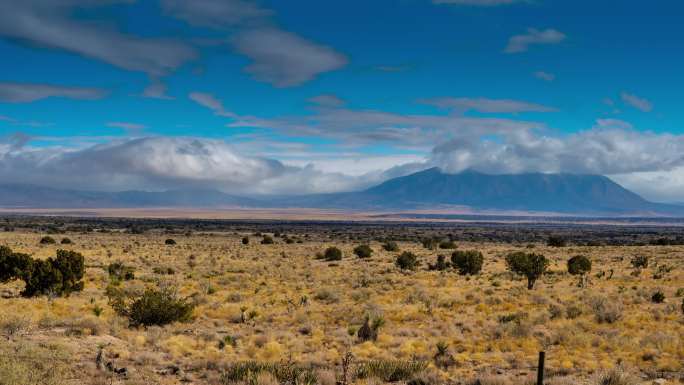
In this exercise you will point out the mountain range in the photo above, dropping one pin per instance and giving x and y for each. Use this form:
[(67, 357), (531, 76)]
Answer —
[(427, 189)]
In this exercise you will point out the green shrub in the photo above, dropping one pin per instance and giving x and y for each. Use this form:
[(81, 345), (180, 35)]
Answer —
[(170, 242), (369, 330), (390, 246), (245, 240), (267, 240), (407, 261), (530, 265), (363, 251), (658, 297), (47, 240), (639, 261), (66, 241), (12, 264), (430, 243), (284, 372), (447, 245), (332, 254), (467, 262), (579, 265), (59, 276), (153, 307), (440, 265)]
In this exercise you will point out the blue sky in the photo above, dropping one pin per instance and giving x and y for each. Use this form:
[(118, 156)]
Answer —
[(308, 96)]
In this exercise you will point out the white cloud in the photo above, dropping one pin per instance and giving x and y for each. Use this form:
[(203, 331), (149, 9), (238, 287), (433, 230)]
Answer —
[(636, 102), (127, 126), (327, 100), (215, 13), (546, 76), (285, 59), (48, 24), (487, 105), (209, 101), (521, 43), (31, 92)]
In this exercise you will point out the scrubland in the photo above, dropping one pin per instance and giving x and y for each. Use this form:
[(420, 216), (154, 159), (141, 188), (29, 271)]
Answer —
[(282, 309)]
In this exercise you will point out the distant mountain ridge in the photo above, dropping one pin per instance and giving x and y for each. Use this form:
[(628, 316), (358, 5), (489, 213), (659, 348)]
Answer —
[(427, 189)]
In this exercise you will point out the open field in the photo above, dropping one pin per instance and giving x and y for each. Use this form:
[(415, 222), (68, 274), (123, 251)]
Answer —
[(280, 303)]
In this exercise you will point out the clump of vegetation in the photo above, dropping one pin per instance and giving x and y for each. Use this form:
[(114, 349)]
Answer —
[(332, 254), (66, 241), (369, 330), (530, 265), (390, 246), (251, 373), (407, 261), (153, 307), (639, 262), (391, 370), (170, 242), (47, 240), (448, 244), (119, 272), (245, 240), (440, 265), (579, 265), (556, 241), (363, 251), (605, 310), (430, 243), (60, 276), (658, 297), (267, 240), (467, 262)]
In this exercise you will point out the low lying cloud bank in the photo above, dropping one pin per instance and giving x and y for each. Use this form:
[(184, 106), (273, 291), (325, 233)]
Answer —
[(649, 163)]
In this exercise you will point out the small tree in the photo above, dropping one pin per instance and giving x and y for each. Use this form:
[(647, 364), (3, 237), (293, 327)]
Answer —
[(531, 265), (579, 265), (60, 276), (467, 262), (363, 251), (407, 261), (332, 254)]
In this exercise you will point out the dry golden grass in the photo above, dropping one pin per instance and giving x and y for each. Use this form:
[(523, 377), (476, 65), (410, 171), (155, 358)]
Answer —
[(276, 303)]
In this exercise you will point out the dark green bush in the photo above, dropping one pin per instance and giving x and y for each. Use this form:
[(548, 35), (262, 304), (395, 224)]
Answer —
[(47, 240), (245, 240), (267, 240), (284, 373), (639, 261), (579, 265), (12, 264), (170, 242), (407, 261), (390, 246), (153, 307), (447, 245), (531, 265), (66, 241), (430, 243), (467, 262), (658, 297), (363, 251), (332, 254), (390, 371), (55, 276)]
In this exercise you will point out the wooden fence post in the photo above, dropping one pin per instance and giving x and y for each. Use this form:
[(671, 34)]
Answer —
[(540, 369)]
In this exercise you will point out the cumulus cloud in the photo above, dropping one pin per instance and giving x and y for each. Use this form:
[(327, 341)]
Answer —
[(487, 105), (159, 163), (31, 92), (636, 102), (521, 43), (49, 24), (283, 58)]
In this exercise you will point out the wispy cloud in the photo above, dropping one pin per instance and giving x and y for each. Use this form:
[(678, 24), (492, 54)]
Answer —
[(637, 102), (127, 126), (546, 76), (487, 105), (327, 100), (521, 43), (211, 102), (31, 92)]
